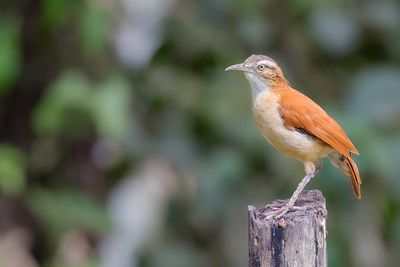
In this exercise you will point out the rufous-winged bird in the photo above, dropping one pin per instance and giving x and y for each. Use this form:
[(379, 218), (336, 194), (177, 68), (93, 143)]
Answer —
[(295, 125)]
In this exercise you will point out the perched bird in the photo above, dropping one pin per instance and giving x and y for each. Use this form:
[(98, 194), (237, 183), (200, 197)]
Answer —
[(295, 125)]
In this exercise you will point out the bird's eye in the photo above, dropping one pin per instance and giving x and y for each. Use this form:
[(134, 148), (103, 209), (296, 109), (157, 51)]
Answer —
[(261, 67)]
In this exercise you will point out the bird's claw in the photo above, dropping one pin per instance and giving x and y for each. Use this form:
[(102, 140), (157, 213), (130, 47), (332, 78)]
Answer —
[(277, 213)]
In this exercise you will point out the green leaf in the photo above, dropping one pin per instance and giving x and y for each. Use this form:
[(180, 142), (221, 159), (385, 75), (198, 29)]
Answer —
[(54, 12), (10, 55), (12, 170), (65, 105), (93, 30), (62, 211), (112, 107)]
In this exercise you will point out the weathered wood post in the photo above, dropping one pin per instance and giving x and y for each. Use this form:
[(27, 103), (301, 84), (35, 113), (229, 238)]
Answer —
[(298, 239)]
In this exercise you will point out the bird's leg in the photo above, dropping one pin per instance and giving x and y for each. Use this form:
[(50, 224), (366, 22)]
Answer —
[(312, 169), (289, 205)]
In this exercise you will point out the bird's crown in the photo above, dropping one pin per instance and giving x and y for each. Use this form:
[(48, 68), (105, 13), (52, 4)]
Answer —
[(259, 58)]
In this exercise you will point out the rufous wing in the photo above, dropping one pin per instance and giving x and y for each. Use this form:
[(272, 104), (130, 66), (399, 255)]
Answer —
[(299, 111)]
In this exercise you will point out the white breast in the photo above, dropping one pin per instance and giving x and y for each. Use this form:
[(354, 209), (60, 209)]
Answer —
[(288, 141)]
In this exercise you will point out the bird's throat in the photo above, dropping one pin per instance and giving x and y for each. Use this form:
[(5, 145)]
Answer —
[(258, 85)]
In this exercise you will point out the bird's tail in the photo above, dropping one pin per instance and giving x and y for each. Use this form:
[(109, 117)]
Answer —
[(349, 167)]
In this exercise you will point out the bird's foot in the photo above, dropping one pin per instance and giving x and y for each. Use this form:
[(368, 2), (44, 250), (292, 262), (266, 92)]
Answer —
[(292, 208), (278, 211)]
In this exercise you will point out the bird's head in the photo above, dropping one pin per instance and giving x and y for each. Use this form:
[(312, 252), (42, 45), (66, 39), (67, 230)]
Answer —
[(261, 66), (260, 70)]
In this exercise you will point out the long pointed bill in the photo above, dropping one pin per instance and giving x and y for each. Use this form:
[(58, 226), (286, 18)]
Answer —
[(238, 67)]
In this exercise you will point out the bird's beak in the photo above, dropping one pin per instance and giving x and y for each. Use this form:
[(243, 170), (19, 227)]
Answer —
[(238, 67)]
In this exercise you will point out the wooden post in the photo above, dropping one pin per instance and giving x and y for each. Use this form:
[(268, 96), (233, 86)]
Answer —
[(298, 239)]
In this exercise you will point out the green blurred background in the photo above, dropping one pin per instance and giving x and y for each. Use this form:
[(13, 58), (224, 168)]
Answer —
[(124, 143)]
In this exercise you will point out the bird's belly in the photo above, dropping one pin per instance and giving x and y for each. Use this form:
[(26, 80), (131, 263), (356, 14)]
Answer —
[(289, 142)]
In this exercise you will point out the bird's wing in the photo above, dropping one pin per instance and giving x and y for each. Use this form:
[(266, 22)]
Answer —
[(298, 111)]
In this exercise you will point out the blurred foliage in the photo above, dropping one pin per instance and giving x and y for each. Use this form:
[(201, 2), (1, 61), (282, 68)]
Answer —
[(10, 61), (12, 170), (64, 211), (91, 90)]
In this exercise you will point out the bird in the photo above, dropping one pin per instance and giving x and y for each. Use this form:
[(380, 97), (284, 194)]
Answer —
[(296, 126)]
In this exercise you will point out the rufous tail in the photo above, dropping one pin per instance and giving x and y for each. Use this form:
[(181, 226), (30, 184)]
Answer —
[(354, 176), (349, 167)]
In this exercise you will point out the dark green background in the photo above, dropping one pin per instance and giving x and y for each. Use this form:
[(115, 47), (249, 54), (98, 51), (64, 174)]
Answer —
[(75, 122)]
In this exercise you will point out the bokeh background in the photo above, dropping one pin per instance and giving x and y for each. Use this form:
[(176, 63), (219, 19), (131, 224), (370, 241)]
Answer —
[(124, 143)]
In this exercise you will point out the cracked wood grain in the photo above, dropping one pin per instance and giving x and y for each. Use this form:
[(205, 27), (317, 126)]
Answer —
[(298, 239)]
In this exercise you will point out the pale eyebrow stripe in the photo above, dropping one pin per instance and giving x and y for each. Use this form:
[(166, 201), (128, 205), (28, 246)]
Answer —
[(268, 63)]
